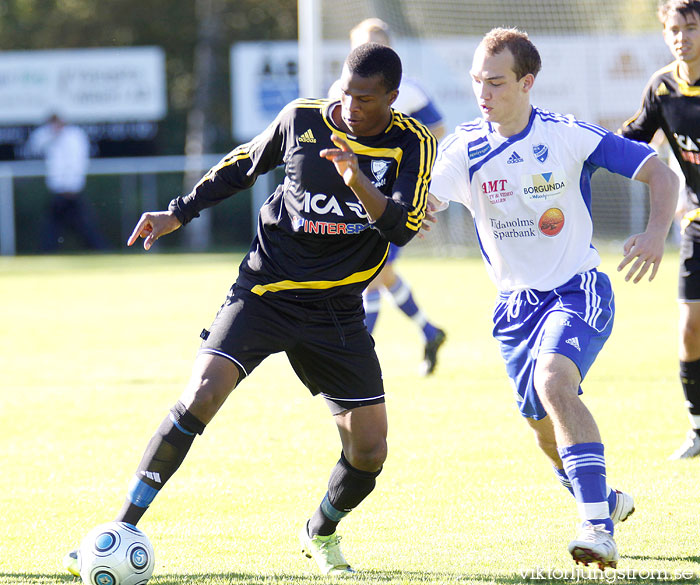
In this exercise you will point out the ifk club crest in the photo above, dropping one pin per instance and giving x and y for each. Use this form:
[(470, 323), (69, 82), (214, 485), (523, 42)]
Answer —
[(541, 152), (379, 168)]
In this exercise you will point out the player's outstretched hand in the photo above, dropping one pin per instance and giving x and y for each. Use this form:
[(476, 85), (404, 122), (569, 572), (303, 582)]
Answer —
[(343, 158), (646, 250), (431, 210), (152, 226)]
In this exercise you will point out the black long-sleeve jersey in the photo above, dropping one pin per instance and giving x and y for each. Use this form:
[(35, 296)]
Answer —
[(314, 239), (671, 104)]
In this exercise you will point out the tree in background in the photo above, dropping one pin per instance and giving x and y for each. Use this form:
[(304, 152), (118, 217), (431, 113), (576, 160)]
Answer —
[(174, 26)]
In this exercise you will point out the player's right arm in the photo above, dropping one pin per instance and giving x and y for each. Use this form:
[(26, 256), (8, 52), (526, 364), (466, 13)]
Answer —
[(152, 226), (645, 250), (238, 170)]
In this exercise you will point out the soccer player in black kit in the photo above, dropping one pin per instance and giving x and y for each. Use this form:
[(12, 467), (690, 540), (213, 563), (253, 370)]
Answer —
[(356, 179), (671, 102)]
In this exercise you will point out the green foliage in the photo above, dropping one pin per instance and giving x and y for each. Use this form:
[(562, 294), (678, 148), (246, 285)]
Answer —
[(94, 350)]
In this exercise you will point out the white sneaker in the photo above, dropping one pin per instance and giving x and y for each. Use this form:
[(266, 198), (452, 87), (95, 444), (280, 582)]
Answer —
[(325, 550), (594, 544), (689, 448), (623, 507)]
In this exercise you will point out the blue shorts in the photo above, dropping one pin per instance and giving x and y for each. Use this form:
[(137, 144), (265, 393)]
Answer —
[(394, 252), (574, 320)]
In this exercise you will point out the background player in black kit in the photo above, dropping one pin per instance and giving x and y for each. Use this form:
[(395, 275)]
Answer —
[(357, 178), (672, 102)]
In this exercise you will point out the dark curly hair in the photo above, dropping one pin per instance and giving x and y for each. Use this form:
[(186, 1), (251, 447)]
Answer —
[(374, 59), (682, 7)]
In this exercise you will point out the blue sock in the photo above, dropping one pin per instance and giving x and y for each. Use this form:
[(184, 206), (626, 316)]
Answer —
[(612, 500), (584, 464), (564, 479), (371, 300), (566, 482), (403, 297)]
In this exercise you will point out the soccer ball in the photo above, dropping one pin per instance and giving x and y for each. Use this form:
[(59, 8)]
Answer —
[(116, 553)]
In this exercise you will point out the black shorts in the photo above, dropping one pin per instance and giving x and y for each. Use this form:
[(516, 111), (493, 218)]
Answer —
[(326, 343), (689, 273)]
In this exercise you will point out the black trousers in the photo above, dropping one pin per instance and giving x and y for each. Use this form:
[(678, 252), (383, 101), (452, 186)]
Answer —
[(68, 211)]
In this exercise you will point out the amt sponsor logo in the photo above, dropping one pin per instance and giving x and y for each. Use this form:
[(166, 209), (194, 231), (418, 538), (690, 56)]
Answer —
[(491, 186), (496, 190)]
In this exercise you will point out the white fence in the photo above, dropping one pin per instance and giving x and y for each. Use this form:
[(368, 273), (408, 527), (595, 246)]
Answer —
[(142, 169), (619, 206)]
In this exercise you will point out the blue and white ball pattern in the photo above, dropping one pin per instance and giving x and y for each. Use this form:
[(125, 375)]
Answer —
[(116, 553)]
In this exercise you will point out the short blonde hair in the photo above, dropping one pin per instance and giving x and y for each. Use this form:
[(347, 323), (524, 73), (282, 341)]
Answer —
[(526, 57), (370, 30)]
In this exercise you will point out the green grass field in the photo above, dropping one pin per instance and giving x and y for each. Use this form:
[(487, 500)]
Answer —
[(95, 350)]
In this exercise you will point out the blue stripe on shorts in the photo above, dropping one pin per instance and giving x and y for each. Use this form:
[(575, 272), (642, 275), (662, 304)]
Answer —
[(574, 320)]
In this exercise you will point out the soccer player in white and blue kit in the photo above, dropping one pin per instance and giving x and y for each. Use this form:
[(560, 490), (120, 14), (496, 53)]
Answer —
[(524, 173)]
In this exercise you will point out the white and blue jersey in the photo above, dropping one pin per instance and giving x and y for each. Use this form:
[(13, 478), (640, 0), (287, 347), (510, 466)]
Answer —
[(530, 197), (530, 194), (415, 102)]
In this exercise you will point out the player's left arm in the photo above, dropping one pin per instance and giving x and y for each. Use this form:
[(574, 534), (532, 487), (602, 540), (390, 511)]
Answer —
[(645, 250)]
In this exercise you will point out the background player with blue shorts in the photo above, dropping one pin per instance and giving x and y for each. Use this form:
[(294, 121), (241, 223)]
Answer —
[(524, 174), (415, 102)]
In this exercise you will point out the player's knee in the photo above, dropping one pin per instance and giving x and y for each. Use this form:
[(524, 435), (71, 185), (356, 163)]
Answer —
[(205, 395), (556, 389), (211, 382), (557, 396), (368, 457), (690, 337)]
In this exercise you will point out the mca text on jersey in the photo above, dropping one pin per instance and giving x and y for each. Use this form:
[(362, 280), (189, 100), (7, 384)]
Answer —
[(543, 188), (328, 227), (510, 229)]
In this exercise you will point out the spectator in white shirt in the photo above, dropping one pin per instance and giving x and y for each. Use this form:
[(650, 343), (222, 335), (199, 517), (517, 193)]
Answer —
[(66, 150)]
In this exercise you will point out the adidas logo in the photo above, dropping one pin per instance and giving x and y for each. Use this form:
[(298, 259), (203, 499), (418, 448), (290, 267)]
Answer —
[(514, 158), (152, 475), (573, 341), (307, 136)]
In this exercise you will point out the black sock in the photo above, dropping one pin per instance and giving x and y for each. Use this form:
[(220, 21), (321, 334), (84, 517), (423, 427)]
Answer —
[(164, 454), (347, 487), (690, 379)]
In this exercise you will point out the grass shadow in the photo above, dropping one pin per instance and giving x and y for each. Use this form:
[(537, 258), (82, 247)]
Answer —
[(36, 578)]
